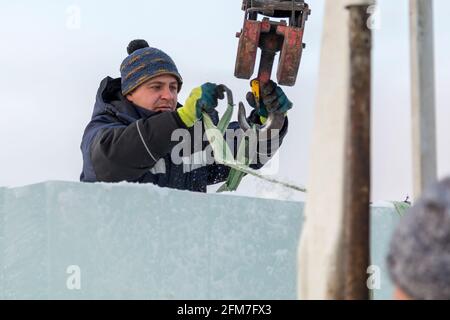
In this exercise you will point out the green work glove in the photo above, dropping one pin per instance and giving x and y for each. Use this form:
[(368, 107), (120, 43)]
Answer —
[(272, 99), (203, 98)]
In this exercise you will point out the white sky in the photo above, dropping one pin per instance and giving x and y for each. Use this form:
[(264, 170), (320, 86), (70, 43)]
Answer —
[(51, 72)]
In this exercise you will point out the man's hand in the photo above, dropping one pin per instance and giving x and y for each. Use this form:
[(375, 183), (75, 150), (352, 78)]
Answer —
[(272, 99), (203, 98)]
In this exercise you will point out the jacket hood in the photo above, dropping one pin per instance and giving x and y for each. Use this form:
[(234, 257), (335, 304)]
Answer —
[(110, 100)]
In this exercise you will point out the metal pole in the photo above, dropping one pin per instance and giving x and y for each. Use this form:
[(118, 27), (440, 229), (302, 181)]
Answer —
[(423, 94), (344, 98), (357, 179)]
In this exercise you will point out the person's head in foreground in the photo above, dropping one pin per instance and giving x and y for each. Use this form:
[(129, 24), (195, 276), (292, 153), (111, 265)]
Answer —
[(419, 256)]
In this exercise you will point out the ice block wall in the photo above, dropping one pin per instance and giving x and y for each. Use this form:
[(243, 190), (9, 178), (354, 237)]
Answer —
[(69, 240)]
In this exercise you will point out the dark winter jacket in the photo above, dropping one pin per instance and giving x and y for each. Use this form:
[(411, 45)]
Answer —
[(124, 142)]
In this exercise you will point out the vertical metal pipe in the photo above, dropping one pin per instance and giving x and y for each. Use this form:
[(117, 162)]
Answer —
[(357, 154), (423, 94)]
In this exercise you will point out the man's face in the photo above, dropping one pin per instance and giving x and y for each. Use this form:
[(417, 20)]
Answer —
[(157, 94)]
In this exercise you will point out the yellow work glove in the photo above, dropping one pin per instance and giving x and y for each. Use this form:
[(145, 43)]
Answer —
[(203, 98)]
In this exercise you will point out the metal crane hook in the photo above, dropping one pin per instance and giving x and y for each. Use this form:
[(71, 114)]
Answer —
[(269, 130)]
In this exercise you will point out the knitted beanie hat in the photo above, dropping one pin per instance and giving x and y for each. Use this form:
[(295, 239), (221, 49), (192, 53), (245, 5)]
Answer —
[(144, 63), (419, 257)]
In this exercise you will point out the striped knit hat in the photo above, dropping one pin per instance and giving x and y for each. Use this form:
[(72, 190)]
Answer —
[(144, 63)]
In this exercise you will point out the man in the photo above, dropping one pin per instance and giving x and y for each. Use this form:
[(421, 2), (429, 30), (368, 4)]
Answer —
[(129, 137), (419, 257)]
